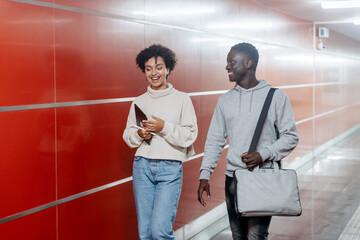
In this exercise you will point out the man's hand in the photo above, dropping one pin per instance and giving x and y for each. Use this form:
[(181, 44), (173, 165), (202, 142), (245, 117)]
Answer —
[(203, 186), (144, 134), (251, 160), (154, 126)]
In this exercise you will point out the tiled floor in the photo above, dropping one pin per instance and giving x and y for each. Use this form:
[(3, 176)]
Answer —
[(352, 229), (330, 195)]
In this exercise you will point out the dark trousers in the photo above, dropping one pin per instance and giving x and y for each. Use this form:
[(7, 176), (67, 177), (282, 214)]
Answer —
[(244, 228)]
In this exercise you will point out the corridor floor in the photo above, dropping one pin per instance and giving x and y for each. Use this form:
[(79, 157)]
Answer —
[(330, 197)]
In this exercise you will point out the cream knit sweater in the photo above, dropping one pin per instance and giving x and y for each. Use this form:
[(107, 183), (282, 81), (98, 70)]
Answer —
[(175, 141)]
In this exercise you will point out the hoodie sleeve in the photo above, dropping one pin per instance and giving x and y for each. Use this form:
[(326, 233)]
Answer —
[(183, 134), (288, 134), (214, 145), (130, 135)]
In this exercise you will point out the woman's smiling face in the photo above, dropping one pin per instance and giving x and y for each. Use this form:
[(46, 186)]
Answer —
[(156, 73)]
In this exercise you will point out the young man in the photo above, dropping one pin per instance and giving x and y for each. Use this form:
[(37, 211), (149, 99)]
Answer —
[(235, 117)]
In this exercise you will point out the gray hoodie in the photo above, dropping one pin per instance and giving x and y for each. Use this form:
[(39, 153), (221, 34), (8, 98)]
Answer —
[(235, 117)]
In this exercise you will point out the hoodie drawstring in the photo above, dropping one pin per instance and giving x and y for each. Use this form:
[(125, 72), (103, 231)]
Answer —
[(250, 105), (240, 101), (252, 91)]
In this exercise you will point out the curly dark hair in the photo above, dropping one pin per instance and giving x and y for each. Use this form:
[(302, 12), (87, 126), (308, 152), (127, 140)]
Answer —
[(250, 50), (156, 50)]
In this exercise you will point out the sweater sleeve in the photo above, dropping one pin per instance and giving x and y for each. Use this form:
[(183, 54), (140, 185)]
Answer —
[(183, 134), (130, 135), (214, 145), (288, 134)]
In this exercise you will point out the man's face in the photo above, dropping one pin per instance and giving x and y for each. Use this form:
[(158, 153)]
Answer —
[(236, 65)]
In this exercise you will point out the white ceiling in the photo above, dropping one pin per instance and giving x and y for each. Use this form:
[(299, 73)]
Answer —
[(339, 20)]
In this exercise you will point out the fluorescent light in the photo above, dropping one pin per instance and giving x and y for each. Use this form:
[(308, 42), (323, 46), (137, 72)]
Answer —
[(340, 4), (243, 26), (180, 11), (357, 22)]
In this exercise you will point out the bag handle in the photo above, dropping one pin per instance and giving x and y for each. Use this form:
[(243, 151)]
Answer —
[(276, 168), (260, 123)]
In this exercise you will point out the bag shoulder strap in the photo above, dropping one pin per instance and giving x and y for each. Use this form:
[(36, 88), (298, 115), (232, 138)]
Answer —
[(261, 120)]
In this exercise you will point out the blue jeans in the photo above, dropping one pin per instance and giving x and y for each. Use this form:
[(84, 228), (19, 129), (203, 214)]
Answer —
[(244, 228), (157, 187)]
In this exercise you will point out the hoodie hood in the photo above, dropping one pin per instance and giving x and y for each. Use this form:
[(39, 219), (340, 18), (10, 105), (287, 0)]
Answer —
[(246, 95), (262, 84)]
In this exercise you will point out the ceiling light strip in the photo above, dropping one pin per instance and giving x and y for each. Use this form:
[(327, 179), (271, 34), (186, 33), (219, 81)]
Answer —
[(340, 4)]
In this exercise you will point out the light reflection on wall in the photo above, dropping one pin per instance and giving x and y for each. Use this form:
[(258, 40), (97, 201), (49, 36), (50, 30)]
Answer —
[(223, 42), (307, 58), (229, 42), (181, 11), (253, 25)]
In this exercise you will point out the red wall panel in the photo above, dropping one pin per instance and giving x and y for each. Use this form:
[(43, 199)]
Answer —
[(281, 24), (214, 51), (301, 100), (305, 144), (53, 54), (90, 148), (27, 160), (198, 146), (27, 54), (108, 214), (338, 122), (203, 118), (40, 225), (185, 76), (121, 8), (188, 199), (94, 59), (335, 96), (287, 66), (224, 17), (186, 14)]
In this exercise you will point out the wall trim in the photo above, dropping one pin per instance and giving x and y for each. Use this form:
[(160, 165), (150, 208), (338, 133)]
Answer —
[(130, 99), (64, 200)]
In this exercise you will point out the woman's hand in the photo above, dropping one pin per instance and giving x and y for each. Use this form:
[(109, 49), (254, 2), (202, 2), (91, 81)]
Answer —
[(154, 126), (146, 135)]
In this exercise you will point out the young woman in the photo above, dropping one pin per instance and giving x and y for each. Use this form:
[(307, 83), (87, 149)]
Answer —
[(165, 140)]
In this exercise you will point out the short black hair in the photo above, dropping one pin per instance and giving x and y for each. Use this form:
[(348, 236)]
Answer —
[(248, 49), (156, 50)]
